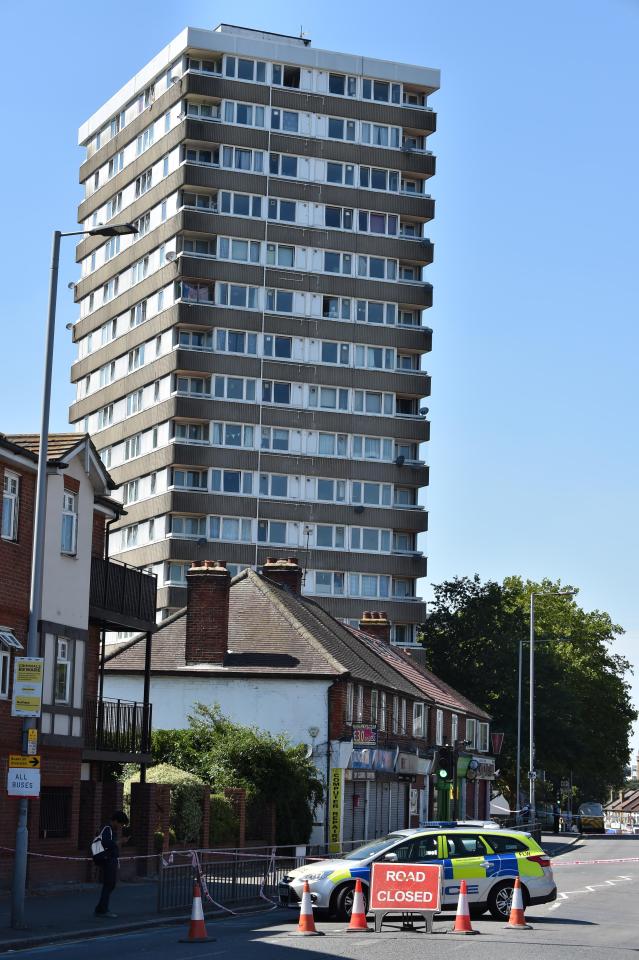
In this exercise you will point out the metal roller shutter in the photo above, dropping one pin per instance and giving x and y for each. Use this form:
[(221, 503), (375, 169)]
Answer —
[(347, 834)]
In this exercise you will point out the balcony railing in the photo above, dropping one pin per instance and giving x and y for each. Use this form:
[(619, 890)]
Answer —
[(120, 727), (122, 597)]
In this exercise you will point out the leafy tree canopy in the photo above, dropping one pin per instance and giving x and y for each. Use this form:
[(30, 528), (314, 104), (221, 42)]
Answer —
[(225, 754), (583, 710)]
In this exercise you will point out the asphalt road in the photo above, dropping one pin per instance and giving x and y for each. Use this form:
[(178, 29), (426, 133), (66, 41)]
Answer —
[(595, 916)]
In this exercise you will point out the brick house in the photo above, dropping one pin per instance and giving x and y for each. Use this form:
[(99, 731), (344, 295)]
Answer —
[(83, 595), (274, 658)]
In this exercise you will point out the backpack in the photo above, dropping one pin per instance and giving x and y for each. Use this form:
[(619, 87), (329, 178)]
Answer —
[(98, 853)]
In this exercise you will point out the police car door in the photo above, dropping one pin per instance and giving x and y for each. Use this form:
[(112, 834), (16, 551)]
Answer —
[(465, 858)]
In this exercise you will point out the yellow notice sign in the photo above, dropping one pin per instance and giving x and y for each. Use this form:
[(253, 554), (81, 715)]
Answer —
[(27, 687), (335, 811), (19, 760)]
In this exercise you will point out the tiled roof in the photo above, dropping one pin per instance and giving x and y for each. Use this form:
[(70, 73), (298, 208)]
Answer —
[(431, 686), (58, 445)]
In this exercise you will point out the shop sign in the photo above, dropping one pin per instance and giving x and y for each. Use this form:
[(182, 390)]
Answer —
[(335, 811), (384, 760), (362, 759), (405, 887), (485, 769), (364, 734), (407, 763), (27, 687)]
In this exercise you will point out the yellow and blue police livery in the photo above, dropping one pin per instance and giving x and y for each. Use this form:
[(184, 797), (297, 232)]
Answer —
[(487, 858)]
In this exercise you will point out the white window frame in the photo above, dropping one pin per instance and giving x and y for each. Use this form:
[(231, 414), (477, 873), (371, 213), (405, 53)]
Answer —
[(69, 515), (62, 646), (483, 737), (5, 674), (439, 728), (395, 714), (381, 722), (359, 705), (350, 699), (454, 728), (419, 710), (471, 732), (374, 705), (12, 498)]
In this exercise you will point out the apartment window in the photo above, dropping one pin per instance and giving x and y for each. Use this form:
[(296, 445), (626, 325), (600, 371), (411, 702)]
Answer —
[(366, 401), (370, 311), (381, 223), (205, 111), (359, 707), (340, 218), (381, 91), (244, 251), (282, 165), (62, 672), (233, 295), (403, 634), (197, 292), (395, 715), (328, 398), (276, 392), (332, 444), (232, 529), (338, 262), (55, 812), (116, 163), (329, 584), (234, 388), (143, 225), (339, 129), (134, 402), (370, 539), (280, 255), (330, 537), (371, 494), (454, 728), (273, 438), (382, 711), (175, 573), (143, 183), (350, 690), (377, 268), (439, 728), (379, 135), (482, 738), (232, 481), (237, 158), (235, 341), (240, 204), (374, 706), (279, 301), (105, 417), (191, 432), (245, 114), (144, 140), (188, 526), (207, 157), (375, 178), (192, 479), (271, 531), (418, 719), (110, 289), (281, 210), (286, 76), (368, 585), (69, 523), (335, 352), (111, 248), (140, 270), (471, 733), (132, 447), (342, 86), (136, 358), (202, 201), (336, 308), (10, 505), (192, 386), (341, 173), (232, 435), (273, 485), (331, 491), (131, 491), (374, 358), (138, 314), (114, 205), (238, 66)]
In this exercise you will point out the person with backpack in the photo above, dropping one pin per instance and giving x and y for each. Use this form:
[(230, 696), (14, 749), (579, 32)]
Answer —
[(105, 853)]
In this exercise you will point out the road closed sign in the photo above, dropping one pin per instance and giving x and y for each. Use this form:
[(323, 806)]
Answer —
[(405, 887)]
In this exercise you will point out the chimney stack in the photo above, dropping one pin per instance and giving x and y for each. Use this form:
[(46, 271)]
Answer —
[(207, 612), (286, 572), (377, 624)]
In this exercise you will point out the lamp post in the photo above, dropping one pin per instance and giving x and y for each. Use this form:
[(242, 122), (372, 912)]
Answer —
[(37, 550), (531, 768)]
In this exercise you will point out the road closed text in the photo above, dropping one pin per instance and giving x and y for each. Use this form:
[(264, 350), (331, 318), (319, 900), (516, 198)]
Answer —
[(402, 886)]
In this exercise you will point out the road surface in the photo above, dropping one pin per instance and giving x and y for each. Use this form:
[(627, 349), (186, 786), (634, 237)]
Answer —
[(595, 917)]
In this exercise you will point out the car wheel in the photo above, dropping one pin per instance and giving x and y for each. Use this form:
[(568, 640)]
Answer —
[(500, 899), (344, 901)]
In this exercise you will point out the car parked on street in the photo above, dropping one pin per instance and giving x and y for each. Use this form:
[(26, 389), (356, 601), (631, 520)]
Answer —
[(488, 859)]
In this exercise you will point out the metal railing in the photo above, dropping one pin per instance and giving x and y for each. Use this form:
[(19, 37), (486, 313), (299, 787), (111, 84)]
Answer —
[(122, 591), (233, 879), (116, 726)]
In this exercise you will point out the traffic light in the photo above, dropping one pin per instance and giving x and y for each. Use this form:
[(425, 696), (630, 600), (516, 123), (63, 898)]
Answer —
[(445, 764)]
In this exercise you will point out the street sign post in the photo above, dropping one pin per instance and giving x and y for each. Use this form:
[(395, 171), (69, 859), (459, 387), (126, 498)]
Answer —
[(406, 888), (32, 740)]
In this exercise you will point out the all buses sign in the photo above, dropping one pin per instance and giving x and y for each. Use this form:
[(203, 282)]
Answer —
[(405, 888)]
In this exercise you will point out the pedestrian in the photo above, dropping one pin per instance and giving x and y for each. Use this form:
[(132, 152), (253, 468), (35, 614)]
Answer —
[(109, 861)]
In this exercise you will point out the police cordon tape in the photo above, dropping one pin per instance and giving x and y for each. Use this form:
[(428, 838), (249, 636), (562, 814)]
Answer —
[(581, 863)]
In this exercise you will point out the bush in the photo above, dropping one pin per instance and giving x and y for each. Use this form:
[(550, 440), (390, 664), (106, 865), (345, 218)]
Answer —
[(224, 827), (187, 792)]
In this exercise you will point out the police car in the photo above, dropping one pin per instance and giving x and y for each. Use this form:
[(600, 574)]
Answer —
[(489, 859)]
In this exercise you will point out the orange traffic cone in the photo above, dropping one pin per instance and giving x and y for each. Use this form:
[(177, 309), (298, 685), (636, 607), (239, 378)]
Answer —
[(197, 928), (358, 913), (517, 919), (462, 918), (306, 926)]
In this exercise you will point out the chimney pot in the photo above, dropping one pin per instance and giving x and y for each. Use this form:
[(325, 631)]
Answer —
[(207, 612), (284, 571), (376, 624)]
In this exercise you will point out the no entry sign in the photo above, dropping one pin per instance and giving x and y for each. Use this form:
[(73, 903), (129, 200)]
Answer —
[(405, 887)]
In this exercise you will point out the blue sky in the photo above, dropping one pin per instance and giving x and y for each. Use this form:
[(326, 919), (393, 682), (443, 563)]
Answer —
[(534, 469)]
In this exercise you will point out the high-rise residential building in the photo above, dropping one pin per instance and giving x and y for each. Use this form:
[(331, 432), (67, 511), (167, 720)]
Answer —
[(250, 363)]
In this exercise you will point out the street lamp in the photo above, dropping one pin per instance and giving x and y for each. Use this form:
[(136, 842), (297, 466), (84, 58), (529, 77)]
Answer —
[(531, 760), (37, 551)]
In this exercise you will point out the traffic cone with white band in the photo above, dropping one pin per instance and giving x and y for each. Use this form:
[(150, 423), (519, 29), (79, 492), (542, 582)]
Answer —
[(462, 918), (197, 928), (358, 913), (517, 919), (306, 926)]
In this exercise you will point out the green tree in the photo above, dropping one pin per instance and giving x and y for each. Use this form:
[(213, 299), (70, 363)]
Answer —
[(226, 754), (583, 712)]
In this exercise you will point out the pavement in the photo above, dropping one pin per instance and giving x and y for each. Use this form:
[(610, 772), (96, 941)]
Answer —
[(595, 915)]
